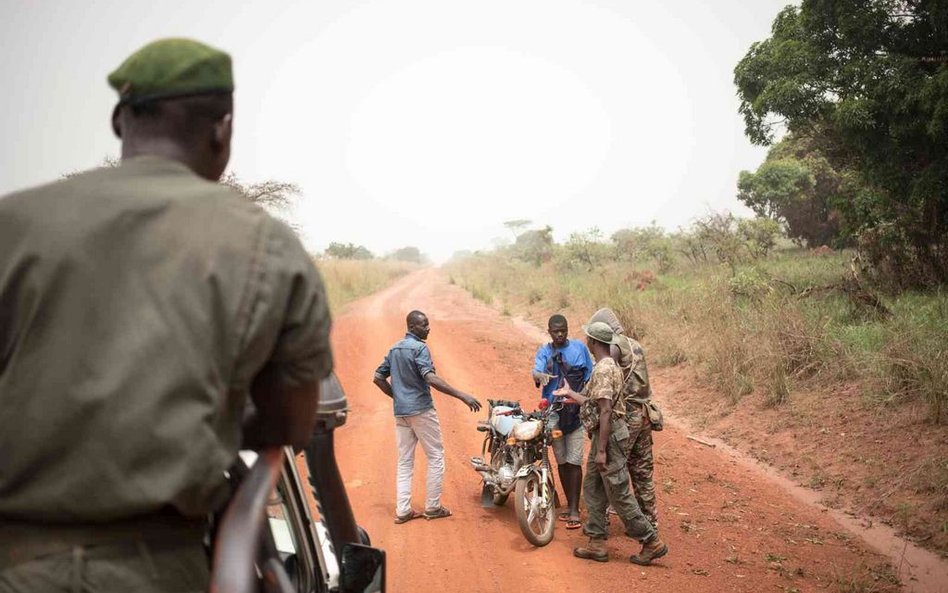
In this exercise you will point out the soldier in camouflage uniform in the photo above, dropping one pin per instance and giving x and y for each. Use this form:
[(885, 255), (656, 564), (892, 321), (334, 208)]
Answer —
[(636, 392), (607, 474)]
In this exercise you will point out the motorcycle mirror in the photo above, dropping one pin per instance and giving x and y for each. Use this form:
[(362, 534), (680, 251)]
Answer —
[(362, 569)]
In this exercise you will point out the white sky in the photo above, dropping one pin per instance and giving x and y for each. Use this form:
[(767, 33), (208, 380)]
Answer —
[(419, 122)]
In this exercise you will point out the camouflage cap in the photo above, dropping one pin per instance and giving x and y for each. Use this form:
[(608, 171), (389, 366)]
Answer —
[(172, 68), (600, 331)]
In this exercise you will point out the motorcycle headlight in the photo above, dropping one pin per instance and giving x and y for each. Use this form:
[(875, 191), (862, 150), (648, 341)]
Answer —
[(527, 431)]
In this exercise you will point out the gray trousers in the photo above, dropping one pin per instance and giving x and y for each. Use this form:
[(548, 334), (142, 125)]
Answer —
[(601, 489), (421, 428), (120, 568)]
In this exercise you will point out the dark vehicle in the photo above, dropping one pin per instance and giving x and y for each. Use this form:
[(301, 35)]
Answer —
[(517, 443), (268, 540)]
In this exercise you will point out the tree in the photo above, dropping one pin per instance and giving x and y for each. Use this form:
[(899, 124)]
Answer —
[(644, 243), (759, 235), (535, 246), (797, 186), (408, 254), (269, 193), (585, 250), (515, 225), (347, 251), (868, 80)]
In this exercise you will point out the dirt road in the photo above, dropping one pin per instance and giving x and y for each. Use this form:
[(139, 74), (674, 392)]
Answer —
[(728, 528)]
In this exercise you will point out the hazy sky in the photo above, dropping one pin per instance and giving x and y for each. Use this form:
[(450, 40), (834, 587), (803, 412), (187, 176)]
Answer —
[(419, 122)]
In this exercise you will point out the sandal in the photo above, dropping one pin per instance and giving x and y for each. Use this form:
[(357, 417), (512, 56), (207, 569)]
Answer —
[(564, 516), (438, 514), (573, 523), (406, 518)]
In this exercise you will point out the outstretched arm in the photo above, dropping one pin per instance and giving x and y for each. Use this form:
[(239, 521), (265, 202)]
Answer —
[(441, 385), (566, 391)]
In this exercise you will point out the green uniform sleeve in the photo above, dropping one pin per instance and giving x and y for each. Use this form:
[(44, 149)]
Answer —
[(302, 353)]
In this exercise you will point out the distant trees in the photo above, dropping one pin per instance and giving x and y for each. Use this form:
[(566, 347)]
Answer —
[(637, 244), (347, 251), (867, 81), (408, 254)]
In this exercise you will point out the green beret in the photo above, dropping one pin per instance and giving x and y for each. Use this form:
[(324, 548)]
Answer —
[(172, 68)]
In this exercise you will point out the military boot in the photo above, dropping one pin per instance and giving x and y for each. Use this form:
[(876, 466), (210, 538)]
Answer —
[(594, 550), (652, 549)]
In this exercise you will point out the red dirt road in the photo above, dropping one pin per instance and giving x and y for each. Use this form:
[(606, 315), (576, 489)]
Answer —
[(728, 528)]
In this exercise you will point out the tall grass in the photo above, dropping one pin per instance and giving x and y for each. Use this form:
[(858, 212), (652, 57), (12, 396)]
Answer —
[(347, 280), (749, 328)]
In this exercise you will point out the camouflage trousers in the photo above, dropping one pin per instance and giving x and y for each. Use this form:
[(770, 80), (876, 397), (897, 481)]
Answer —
[(130, 566), (641, 463), (600, 489)]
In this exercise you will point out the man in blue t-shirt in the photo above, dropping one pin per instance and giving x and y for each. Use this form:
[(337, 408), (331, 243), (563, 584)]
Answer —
[(412, 374), (559, 363)]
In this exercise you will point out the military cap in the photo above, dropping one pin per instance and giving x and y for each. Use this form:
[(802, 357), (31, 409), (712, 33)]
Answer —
[(170, 68), (600, 330)]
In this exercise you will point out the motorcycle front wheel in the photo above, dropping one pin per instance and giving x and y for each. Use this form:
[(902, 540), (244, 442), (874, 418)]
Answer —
[(535, 512)]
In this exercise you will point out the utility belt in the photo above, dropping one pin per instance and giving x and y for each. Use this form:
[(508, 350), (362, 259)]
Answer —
[(653, 414), (22, 541)]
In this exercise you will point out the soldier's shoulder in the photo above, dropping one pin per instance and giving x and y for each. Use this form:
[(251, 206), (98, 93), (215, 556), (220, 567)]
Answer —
[(56, 186), (606, 366), (636, 347)]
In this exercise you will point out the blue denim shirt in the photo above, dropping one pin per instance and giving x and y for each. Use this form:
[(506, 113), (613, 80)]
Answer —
[(407, 363)]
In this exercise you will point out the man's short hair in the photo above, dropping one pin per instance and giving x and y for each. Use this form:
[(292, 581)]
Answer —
[(557, 320), (413, 317)]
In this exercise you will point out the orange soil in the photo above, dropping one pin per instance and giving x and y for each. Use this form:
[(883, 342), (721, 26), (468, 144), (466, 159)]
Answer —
[(729, 527)]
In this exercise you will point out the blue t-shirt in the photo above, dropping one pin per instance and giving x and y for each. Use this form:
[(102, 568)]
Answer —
[(575, 356), (407, 363)]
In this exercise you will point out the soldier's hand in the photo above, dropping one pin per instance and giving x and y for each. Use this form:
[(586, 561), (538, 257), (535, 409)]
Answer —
[(601, 461), (472, 403)]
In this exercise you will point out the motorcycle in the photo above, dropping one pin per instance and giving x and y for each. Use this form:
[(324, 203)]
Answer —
[(517, 443)]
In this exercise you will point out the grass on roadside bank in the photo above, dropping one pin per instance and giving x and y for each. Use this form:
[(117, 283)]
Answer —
[(785, 333), (347, 280), (775, 325)]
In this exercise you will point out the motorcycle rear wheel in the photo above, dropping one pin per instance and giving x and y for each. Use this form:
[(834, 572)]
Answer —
[(535, 512)]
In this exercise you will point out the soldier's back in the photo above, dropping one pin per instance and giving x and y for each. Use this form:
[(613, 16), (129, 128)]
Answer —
[(130, 328)]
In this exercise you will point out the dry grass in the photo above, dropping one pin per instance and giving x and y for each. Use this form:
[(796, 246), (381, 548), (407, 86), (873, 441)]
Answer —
[(347, 280), (745, 328)]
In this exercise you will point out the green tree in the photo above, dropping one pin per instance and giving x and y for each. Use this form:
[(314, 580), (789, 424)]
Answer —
[(347, 251), (797, 186), (584, 250), (868, 80), (644, 243), (759, 235)]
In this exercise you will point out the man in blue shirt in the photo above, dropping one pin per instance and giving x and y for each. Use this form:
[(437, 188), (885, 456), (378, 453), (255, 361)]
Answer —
[(559, 363), (412, 374)]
